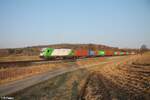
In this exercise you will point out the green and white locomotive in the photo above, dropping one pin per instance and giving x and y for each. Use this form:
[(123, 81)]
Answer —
[(50, 53)]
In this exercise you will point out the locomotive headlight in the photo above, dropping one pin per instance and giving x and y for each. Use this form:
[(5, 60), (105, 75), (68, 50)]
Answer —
[(41, 54)]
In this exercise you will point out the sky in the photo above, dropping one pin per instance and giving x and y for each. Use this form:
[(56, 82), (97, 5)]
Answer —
[(117, 23)]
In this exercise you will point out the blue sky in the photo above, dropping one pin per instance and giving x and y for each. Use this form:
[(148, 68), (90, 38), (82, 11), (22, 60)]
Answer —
[(119, 23)]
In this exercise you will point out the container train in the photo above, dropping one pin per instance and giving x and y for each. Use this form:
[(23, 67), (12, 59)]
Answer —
[(63, 53)]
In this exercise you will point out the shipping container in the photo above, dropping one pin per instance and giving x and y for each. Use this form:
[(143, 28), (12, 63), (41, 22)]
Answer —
[(101, 53), (109, 53), (116, 53), (121, 53), (91, 53), (81, 53), (124, 53), (127, 53), (96, 52)]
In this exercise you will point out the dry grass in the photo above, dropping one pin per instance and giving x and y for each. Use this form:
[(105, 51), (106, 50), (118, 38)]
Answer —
[(16, 73), (129, 79), (91, 61), (64, 87), (126, 78), (18, 58), (142, 59)]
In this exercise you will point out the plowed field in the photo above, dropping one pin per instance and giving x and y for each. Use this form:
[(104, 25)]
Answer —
[(127, 80)]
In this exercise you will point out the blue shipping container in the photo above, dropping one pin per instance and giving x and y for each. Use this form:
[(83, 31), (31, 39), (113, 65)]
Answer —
[(91, 53)]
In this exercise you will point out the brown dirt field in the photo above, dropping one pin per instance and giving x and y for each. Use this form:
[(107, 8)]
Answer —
[(94, 89), (127, 80)]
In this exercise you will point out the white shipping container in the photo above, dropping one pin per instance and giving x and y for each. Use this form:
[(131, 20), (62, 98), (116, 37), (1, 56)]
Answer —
[(61, 52)]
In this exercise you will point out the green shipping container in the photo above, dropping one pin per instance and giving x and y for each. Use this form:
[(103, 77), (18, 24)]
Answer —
[(121, 53), (127, 53), (101, 52), (115, 53)]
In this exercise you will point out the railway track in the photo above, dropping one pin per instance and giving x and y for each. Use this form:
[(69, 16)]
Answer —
[(7, 64), (30, 62)]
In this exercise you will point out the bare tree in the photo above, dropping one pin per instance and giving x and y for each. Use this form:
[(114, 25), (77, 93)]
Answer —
[(143, 48)]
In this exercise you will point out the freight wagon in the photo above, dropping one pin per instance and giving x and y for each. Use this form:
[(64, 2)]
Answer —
[(51, 53)]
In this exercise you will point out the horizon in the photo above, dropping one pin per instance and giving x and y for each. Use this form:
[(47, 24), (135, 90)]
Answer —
[(68, 44), (114, 23)]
